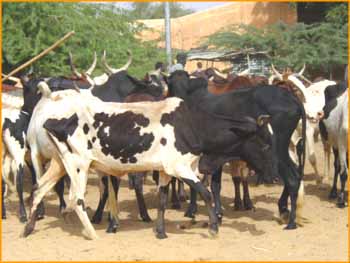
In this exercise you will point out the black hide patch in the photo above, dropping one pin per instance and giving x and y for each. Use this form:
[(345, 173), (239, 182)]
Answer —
[(163, 141), (93, 139), (123, 139), (62, 128), (89, 145), (186, 140), (86, 128), (17, 128)]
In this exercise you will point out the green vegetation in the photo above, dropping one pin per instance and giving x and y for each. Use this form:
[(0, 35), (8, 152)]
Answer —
[(149, 10), (29, 28)]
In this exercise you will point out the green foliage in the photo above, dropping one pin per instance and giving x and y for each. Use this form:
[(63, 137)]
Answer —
[(149, 10), (29, 28), (321, 46)]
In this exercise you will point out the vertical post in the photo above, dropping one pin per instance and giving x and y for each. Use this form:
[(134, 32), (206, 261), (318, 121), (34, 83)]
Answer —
[(167, 32)]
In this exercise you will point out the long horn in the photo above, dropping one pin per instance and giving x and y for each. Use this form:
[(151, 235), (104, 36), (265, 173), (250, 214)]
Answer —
[(279, 75), (302, 70), (113, 70), (300, 86), (92, 67), (72, 67), (244, 72)]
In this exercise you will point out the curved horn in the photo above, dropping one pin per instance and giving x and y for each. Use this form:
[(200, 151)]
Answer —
[(262, 119), (72, 67), (279, 75), (302, 70), (113, 70), (92, 67), (244, 72), (299, 85)]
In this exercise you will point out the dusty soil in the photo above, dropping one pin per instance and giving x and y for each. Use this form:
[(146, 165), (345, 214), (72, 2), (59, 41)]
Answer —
[(243, 235)]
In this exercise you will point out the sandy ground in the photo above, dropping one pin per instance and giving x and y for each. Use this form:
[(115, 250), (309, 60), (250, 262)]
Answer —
[(244, 235)]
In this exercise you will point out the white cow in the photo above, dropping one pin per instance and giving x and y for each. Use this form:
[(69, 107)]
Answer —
[(313, 101), (335, 136)]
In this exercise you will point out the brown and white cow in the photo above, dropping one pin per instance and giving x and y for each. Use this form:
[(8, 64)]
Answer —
[(83, 132)]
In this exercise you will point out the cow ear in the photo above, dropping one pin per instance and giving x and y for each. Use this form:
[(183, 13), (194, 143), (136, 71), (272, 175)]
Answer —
[(263, 119)]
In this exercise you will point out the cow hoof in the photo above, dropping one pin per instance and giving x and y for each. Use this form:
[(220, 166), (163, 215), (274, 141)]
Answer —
[(112, 229), (161, 235), (291, 226), (238, 205), (191, 211), (214, 230), (248, 205), (28, 229), (176, 205), (341, 204), (23, 219), (146, 219), (4, 217), (40, 217), (96, 220), (333, 194)]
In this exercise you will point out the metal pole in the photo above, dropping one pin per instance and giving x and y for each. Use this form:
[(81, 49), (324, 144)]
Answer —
[(167, 33)]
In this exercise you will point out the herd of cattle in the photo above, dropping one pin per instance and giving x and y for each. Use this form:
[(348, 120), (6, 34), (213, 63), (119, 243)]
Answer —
[(178, 126)]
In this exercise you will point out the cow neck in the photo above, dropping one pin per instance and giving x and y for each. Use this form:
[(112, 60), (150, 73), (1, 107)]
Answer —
[(216, 131)]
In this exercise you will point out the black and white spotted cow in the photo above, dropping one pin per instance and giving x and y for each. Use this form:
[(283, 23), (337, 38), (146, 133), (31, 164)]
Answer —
[(334, 132), (128, 137)]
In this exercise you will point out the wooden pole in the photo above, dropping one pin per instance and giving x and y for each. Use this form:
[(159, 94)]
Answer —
[(68, 35)]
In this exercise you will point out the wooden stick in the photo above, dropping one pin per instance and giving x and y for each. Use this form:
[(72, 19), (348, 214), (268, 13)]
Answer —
[(40, 55)]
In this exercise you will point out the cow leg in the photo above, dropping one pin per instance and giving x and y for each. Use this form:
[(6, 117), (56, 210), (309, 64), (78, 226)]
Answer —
[(181, 191), (238, 205), (192, 208), (97, 217), (113, 220), (78, 187), (3, 187), (341, 198), (283, 204), (19, 187), (162, 199), (333, 193), (59, 189), (155, 177), (216, 189), (175, 202), (206, 196), (138, 186), (38, 168), (45, 184), (247, 202)]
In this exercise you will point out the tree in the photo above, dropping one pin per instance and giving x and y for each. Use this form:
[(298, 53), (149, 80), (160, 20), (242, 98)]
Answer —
[(149, 10), (28, 28)]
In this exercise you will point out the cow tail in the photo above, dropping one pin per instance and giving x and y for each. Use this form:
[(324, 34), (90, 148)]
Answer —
[(112, 201), (44, 89)]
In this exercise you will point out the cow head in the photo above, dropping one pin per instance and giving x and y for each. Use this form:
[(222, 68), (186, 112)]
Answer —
[(250, 141), (181, 86), (257, 150)]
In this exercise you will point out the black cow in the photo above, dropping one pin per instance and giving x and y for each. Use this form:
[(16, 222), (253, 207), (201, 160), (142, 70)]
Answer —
[(285, 111)]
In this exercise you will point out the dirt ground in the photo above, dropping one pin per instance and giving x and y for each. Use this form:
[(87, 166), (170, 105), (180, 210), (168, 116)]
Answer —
[(244, 235)]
